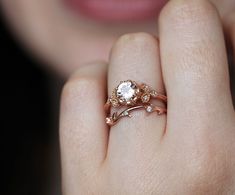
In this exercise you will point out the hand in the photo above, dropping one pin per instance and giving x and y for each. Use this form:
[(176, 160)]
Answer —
[(188, 151)]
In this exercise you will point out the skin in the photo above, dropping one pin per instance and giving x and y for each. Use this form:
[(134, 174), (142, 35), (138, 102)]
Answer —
[(64, 40), (188, 151)]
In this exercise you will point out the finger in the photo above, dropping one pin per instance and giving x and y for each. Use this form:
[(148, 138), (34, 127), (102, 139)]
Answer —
[(136, 57), (83, 132), (194, 63)]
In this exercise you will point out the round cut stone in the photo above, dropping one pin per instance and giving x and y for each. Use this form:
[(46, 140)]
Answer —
[(126, 90)]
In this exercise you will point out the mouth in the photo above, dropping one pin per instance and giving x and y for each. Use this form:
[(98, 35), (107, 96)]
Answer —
[(117, 10)]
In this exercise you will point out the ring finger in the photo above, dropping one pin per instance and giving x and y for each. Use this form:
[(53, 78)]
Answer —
[(136, 57)]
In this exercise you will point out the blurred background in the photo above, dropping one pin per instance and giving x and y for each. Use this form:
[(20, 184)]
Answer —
[(29, 140)]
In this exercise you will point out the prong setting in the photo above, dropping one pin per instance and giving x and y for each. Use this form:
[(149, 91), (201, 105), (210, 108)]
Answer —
[(133, 96)]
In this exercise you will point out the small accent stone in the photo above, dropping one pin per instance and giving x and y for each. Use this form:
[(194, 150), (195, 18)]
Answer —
[(114, 102), (153, 93), (149, 109), (145, 97), (108, 120), (126, 113)]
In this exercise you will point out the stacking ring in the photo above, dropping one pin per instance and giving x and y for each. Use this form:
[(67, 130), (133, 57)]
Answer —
[(132, 96)]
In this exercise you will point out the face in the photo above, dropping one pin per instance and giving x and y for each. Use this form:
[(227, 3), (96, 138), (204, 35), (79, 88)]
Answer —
[(70, 33)]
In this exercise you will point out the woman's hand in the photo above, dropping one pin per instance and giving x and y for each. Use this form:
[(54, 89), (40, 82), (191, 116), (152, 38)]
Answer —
[(191, 150)]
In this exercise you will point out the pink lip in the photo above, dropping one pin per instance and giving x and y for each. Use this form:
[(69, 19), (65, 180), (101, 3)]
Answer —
[(117, 10)]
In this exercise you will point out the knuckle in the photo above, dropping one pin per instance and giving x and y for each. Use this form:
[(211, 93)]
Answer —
[(140, 39), (182, 13), (76, 88)]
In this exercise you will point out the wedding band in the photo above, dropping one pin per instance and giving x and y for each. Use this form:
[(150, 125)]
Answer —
[(150, 108), (133, 96)]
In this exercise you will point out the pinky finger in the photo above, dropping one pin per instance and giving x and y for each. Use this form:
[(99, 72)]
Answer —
[(83, 132)]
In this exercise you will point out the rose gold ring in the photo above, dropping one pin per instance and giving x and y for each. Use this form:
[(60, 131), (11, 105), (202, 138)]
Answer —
[(133, 96), (150, 108)]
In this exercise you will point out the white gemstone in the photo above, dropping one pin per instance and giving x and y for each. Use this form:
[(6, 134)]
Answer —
[(108, 120), (149, 109), (153, 93), (126, 90), (126, 113), (145, 98)]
